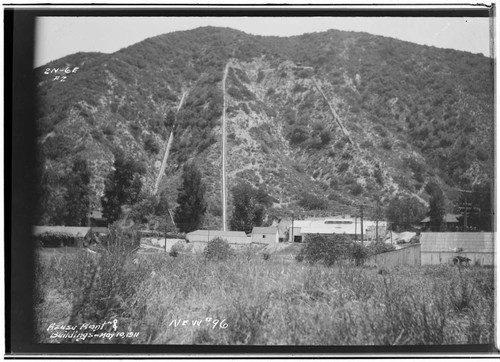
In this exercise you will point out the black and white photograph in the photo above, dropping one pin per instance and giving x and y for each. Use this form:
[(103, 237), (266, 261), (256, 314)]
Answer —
[(274, 180)]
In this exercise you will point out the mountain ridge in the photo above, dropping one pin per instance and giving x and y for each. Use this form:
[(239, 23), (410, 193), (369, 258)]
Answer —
[(400, 103)]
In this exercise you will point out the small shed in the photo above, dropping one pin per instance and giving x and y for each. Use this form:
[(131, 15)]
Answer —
[(232, 237), (265, 235), (97, 219), (55, 236), (441, 248)]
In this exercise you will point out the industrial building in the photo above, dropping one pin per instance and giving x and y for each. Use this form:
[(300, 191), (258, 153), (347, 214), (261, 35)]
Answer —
[(345, 225)]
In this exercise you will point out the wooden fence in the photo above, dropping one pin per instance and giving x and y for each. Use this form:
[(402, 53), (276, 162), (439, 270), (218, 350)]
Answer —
[(408, 255)]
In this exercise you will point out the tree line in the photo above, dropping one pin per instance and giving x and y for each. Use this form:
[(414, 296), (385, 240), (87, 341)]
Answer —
[(126, 200)]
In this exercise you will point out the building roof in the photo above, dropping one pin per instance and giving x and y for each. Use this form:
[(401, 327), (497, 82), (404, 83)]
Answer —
[(301, 223), (96, 215), (450, 242), (100, 229), (74, 231), (265, 230), (448, 218), (216, 233)]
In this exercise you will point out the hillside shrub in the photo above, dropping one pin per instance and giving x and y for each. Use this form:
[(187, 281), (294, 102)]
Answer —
[(151, 146), (387, 145), (346, 156), (377, 174), (340, 144), (218, 249), (260, 76), (298, 135), (313, 202), (97, 135), (343, 167), (270, 91), (109, 130), (298, 167), (57, 146), (356, 189)]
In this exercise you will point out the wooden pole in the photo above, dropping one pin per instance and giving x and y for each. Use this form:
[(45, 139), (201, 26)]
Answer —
[(224, 196), (362, 237)]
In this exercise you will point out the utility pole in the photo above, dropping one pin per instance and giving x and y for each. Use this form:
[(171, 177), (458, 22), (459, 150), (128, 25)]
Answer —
[(376, 222), (292, 228), (355, 227), (465, 213), (464, 207), (362, 237), (224, 190)]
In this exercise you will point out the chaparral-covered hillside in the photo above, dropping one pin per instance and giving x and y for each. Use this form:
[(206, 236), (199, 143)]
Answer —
[(393, 117)]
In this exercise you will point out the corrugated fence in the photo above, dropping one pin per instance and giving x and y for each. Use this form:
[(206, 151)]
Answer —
[(441, 248)]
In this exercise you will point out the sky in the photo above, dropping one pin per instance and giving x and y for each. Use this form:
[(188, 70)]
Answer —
[(60, 36)]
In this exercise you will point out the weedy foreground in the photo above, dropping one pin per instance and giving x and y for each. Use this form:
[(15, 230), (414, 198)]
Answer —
[(256, 300)]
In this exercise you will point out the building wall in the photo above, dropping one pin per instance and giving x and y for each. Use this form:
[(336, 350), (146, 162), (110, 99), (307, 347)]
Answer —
[(409, 255), (441, 248), (296, 232), (229, 239), (269, 238)]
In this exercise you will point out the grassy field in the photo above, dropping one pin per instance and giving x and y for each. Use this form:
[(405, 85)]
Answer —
[(250, 299)]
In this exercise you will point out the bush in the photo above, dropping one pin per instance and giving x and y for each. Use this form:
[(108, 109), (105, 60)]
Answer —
[(109, 130), (343, 167), (298, 135), (175, 250), (387, 145), (377, 174), (332, 249), (218, 249), (151, 146), (356, 189), (57, 146), (379, 248), (313, 202), (260, 76), (97, 135)]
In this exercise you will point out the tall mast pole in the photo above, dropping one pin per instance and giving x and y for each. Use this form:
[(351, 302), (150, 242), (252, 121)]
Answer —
[(224, 196)]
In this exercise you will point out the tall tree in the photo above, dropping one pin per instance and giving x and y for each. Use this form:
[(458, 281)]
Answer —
[(437, 209), (77, 197), (191, 199), (403, 212), (249, 207), (122, 187), (52, 190)]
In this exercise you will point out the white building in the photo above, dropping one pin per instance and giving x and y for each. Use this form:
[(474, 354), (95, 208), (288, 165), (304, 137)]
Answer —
[(344, 225), (265, 235)]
